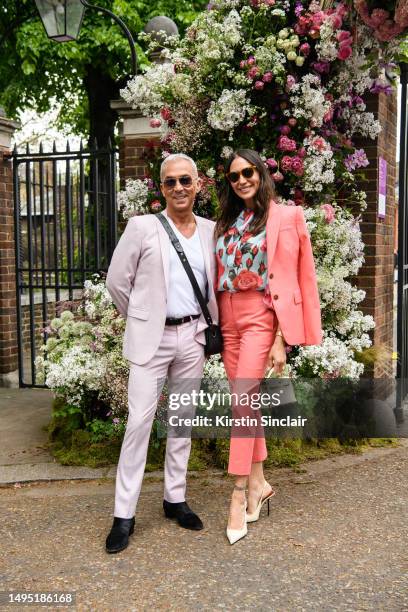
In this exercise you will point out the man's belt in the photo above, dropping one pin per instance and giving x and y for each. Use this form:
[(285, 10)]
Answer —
[(173, 321)]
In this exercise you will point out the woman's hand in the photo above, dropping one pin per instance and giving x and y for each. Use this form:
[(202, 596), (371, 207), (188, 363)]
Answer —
[(277, 356)]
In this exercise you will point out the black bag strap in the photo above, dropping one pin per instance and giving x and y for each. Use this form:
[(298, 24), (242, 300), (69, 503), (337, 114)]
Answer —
[(180, 252)]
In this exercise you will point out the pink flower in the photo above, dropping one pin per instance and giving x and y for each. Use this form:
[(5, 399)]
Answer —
[(247, 280), (166, 113), (272, 163), (329, 212), (297, 166), (319, 143), (155, 123), (290, 82), (336, 21), (344, 53), (242, 64), (285, 129), (252, 73), (328, 115), (155, 205), (290, 203), (304, 49), (251, 60), (259, 85), (378, 17), (286, 144), (343, 35), (286, 163), (302, 152), (277, 176), (267, 77), (292, 121)]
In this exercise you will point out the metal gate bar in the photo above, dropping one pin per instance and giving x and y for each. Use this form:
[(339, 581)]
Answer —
[(65, 225)]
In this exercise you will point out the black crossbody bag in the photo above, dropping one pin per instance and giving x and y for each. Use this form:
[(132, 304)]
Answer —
[(213, 336)]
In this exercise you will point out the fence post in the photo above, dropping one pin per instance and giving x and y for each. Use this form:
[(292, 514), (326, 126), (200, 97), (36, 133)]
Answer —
[(376, 276), (8, 304), (135, 132)]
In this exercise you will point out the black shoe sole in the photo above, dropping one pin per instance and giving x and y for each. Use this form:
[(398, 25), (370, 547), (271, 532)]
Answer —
[(118, 550)]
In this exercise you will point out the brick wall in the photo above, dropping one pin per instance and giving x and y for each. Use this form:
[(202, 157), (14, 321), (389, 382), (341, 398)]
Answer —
[(376, 276), (8, 317), (131, 162)]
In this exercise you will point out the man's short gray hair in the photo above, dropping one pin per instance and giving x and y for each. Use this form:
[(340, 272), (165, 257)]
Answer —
[(175, 156)]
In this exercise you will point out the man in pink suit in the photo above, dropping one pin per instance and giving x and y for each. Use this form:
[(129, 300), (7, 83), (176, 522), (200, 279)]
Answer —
[(164, 336)]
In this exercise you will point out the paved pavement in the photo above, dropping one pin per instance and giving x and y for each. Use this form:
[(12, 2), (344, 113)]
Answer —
[(336, 539)]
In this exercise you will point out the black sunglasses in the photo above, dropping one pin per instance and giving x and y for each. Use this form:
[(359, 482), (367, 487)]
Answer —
[(247, 173), (185, 181)]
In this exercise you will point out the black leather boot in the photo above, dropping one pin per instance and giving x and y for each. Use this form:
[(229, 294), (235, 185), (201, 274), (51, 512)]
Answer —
[(185, 516), (118, 539)]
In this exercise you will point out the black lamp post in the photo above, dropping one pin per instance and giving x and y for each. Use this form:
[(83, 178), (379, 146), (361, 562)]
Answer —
[(62, 20)]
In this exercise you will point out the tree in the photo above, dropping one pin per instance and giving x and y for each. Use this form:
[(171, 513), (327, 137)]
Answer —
[(84, 75)]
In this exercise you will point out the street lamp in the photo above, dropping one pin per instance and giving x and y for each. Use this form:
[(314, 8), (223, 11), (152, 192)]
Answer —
[(62, 20)]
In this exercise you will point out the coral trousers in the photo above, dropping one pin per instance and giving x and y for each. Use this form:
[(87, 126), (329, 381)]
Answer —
[(248, 327)]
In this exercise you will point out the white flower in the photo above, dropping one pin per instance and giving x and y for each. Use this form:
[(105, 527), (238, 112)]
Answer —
[(144, 91), (133, 200), (228, 111), (308, 100), (226, 152), (319, 164)]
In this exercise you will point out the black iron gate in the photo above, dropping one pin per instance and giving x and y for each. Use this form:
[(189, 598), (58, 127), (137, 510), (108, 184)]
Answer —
[(65, 231), (402, 311)]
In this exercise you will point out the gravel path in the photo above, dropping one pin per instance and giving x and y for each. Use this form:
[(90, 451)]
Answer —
[(336, 540)]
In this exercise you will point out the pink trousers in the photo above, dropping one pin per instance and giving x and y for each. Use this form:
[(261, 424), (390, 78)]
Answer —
[(248, 329)]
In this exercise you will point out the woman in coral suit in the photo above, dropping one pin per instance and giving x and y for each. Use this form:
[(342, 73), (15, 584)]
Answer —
[(268, 298)]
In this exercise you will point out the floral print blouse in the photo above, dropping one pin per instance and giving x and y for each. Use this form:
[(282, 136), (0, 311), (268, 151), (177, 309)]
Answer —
[(241, 257)]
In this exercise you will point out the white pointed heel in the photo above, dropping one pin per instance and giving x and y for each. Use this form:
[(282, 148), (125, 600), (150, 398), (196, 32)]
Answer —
[(254, 516), (234, 535)]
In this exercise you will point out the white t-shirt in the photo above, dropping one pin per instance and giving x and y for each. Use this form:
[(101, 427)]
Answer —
[(181, 300)]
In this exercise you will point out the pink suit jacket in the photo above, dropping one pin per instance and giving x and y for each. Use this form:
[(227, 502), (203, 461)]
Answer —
[(292, 276), (138, 280)]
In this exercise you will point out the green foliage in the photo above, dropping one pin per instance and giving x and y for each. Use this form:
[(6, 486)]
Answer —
[(34, 70)]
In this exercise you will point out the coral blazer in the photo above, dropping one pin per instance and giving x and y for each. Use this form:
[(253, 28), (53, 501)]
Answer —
[(138, 281), (292, 276)]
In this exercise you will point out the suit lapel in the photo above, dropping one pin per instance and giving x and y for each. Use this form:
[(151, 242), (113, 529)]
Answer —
[(164, 250), (272, 230)]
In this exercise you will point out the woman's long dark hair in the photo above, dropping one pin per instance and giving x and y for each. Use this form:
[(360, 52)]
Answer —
[(231, 204)]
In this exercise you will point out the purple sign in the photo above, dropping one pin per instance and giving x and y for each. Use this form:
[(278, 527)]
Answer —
[(382, 186)]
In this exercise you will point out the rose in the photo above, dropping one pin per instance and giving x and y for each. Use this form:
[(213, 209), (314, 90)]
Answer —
[(253, 72), (304, 49), (165, 113), (297, 165), (277, 176), (344, 52), (267, 77), (286, 163), (230, 248), (286, 144), (259, 85), (238, 258), (272, 163), (249, 263), (247, 280)]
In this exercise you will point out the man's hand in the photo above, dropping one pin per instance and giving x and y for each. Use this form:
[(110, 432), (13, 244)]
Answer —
[(277, 356)]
